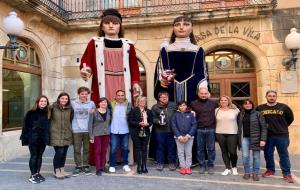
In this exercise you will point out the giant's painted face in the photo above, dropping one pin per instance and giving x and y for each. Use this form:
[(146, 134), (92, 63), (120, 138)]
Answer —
[(182, 29)]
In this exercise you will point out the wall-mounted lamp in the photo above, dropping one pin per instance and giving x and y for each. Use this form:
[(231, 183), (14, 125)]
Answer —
[(13, 26), (292, 42)]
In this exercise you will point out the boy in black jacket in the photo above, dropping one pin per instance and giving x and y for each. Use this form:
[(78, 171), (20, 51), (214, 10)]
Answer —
[(278, 118)]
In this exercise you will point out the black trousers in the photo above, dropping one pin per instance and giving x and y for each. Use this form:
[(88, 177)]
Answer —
[(141, 148), (228, 144), (60, 156), (36, 154)]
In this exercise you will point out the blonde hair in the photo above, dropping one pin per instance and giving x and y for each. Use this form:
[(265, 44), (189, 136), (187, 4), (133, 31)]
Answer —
[(230, 104), (138, 99)]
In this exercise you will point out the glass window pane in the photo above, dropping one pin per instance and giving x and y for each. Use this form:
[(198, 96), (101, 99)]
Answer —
[(20, 91), (240, 89), (215, 90)]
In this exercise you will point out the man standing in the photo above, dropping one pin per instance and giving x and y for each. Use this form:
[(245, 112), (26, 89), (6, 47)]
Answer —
[(164, 138), (205, 114), (278, 118), (119, 131)]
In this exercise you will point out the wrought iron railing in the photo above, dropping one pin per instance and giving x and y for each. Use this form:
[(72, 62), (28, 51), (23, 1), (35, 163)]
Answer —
[(80, 9)]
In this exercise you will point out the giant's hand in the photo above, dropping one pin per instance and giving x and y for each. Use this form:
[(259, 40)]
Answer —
[(166, 78), (85, 72), (137, 90)]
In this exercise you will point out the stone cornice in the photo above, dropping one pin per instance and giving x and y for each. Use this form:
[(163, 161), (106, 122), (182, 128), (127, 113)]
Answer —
[(227, 13)]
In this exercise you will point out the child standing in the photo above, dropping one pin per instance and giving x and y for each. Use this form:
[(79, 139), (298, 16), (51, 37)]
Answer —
[(184, 126), (82, 108)]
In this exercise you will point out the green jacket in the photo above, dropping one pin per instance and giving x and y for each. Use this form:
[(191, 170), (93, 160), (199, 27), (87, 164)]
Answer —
[(61, 129)]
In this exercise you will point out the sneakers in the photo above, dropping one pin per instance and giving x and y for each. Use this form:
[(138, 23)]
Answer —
[(40, 177), (33, 179), (234, 171), (112, 170), (288, 178), (255, 177), (160, 167), (226, 172), (86, 170), (99, 172), (126, 168), (77, 171), (188, 171), (182, 171), (202, 170), (172, 167), (246, 176), (210, 170), (268, 173), (64, 173)]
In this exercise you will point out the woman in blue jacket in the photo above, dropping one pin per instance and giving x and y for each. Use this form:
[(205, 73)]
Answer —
[(184, 126)]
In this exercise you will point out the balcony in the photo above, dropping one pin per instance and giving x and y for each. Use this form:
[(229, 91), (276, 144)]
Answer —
[(82, 9), (82, 14)]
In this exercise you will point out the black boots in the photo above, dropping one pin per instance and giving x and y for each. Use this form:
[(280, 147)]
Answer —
[(144, 162)]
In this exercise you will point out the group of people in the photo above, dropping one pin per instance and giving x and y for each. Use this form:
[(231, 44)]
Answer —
[(184, 123)]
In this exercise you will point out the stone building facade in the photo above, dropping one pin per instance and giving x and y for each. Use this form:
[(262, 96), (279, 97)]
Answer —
[(244, 48)]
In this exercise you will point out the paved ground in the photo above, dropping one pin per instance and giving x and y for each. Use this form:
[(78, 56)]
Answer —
[(14, 175)]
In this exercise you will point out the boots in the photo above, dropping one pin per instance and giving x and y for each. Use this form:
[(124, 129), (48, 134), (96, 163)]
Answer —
[(139, 163), (58, 174), (144, 163), (65, 174)]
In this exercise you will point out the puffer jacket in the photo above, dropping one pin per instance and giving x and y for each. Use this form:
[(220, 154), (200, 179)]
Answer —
[(258, 129), (183, 123), (61, 129), (36, 128)]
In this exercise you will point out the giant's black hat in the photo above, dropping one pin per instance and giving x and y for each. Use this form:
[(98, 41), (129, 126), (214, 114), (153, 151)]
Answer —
[(111, 12)]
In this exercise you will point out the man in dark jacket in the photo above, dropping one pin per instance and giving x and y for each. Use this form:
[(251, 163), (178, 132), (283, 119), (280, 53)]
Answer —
[(278, 118), (164, 139), (205, 114)]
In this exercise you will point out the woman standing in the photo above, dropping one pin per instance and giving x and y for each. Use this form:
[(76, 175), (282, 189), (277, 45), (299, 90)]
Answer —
[(252, 133), (61, 133), (226, 133), (36, 135), (140, 120), (99, 130)]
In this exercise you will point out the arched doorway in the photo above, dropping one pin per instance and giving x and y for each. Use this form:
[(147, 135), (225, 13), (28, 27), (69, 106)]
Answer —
[(233, 74), (143, 82), (21, 84)]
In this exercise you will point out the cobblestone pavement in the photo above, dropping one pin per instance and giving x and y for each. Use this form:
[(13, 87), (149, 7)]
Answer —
[(14, 175)]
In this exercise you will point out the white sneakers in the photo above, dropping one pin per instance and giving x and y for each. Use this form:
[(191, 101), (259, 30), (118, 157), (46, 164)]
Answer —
[(226, 172), (233, 171), (126, 168), (112, 169)]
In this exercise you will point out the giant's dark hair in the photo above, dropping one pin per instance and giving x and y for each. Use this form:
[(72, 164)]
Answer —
[(185, 19)]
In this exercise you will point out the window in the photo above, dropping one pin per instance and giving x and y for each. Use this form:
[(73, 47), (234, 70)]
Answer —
[(228, 62), (21, 84)]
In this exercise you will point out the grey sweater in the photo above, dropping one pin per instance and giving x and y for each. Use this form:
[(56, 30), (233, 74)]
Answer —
[(97, 126)]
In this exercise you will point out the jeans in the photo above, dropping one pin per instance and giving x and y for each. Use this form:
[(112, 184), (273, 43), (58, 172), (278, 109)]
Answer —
[(60, 156), (228, 144), (165, 141), (246, 157), (100, 149), (115, 141), (36, 154), (81, 140), (206, 141), (281, 143)]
